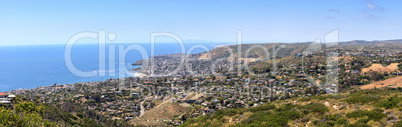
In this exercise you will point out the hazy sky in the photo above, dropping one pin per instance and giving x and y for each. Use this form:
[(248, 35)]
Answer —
[(43, 22)]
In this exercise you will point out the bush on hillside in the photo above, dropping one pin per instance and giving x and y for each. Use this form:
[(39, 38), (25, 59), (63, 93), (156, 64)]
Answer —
[(372, 115), (391, 102)]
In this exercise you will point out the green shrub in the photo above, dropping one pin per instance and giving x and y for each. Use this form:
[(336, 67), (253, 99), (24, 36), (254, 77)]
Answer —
[(28, 107), (391, 102), (343, 107), (232, 112), (342, 121), (326, 124), (286, 107), (261, 113), (398, 124), (363, 99), (315, 122), (322, 97), (378, 110), (316, 108), (357, 125), (280, 118), (333, 117), (363, 120), (22, 119), (218, 115), (372, 115)]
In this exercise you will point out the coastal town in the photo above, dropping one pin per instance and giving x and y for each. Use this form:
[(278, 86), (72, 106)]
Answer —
[(198, 63), (134, 99)]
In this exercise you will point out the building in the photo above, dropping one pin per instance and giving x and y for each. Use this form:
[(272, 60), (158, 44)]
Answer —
[(3, 95), (4, 99)]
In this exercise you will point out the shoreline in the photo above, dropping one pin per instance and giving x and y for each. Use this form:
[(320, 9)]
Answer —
[(139, 74), (132, 72)]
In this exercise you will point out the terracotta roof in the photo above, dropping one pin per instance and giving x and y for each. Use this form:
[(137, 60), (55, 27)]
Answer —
[(2, 94)]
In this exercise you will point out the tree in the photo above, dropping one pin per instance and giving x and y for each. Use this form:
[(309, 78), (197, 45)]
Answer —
[(287, 94), (376, 76), (250, 103), (145, 104), (97, 98), (152, 104)]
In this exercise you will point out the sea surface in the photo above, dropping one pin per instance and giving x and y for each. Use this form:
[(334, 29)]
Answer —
[(30, 66)]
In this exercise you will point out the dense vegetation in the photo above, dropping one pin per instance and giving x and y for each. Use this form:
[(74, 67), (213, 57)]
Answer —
[(26, 113)]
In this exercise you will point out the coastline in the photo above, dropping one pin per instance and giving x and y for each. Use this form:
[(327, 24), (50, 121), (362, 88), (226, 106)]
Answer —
[(139, 74), (71, 79)]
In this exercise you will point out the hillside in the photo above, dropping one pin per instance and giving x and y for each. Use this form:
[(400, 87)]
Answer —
[(361, 108), (302, 90), (374, 45), (157, 115), (380, 68), (257, 50), (263, 55), (391, 82), (25, 113)]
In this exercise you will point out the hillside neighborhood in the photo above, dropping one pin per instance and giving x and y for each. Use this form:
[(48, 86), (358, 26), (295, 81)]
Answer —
[(192, 96)]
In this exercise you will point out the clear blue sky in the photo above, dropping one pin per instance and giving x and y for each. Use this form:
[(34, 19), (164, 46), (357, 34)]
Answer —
[(44, 22)]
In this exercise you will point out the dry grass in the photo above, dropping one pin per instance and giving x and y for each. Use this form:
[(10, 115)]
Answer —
[(164, 111), (392, 82), (378, 67), (203, 56), (346, 59), (156, 115)]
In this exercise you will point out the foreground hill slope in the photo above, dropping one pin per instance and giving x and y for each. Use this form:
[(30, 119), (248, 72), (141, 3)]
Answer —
[(361, 108)]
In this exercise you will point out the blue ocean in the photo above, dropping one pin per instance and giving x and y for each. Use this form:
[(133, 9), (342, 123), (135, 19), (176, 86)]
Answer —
[(30, 66)]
